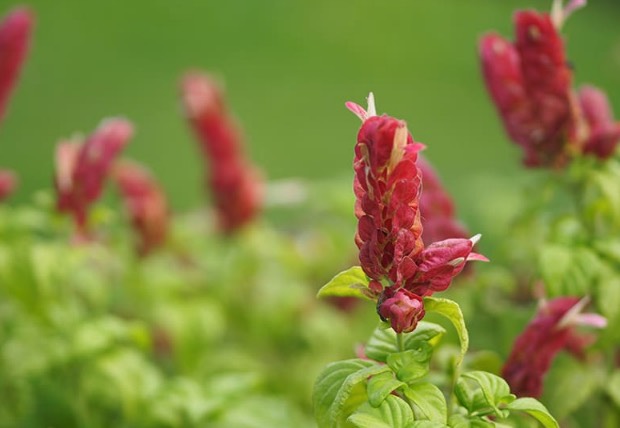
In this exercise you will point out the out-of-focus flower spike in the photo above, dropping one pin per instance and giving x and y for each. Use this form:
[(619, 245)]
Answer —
[(145, 204), (602, 130), (551, 331), (8, 183), (81, 169), (236, 185), (15, 34)]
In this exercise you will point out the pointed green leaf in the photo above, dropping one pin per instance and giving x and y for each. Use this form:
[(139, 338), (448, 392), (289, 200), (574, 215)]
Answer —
[(352, 282), (429, 402), (413, 364), (495, 390), (381, 386), (535, 409), (329, 384), (452, 312), (393, 412), (383, 340)]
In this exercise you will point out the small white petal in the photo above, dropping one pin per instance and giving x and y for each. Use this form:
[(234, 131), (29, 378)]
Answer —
[(372, 110), (474, 239)]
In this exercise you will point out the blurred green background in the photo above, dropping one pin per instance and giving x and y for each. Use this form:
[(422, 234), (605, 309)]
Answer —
[(288, 66)]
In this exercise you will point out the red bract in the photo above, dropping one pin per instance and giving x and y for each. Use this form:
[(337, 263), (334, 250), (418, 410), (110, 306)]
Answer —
[(404, 309), (438, 213), (8, 181), (387, 187), (15, 32), (530, 82), (81, 169), (236, 185), (551, 331), (145, 204), (603, 132)]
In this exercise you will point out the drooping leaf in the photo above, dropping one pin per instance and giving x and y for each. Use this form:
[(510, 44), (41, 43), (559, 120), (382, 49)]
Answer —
[(352, 282), (452, 312), (383, 341), (381, 386), (535, 409), (430, 404), (392, 412)]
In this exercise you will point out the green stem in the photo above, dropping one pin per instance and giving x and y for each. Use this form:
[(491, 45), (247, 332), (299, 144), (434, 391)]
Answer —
[(400, 344)]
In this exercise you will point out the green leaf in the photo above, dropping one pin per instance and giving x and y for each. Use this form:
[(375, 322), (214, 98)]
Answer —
[(379, 387), (427, 424), (341, 388), (430, 404), (461, 421), (569, 385), (413, 364), (494, 389), (452, 312), (383, 341), (535, 409), (393, 412), (352, 282)]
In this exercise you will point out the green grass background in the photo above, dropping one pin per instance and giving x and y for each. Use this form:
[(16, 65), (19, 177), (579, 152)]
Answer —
[(288, 66)]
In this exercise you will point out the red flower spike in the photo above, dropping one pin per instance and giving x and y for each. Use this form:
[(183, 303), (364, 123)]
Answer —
[(81, 169), (437, 209), (236, 185), (403, 309), (387, 187), (145, 204), (8, 182), (15, 33), (603, 131), (530, 85), (551, 331)]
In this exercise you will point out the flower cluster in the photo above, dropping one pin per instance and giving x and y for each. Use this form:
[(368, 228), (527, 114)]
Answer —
[(82, 168), (235, 184), (530, 82), (551, 331), (387, 187), (15, 34), (145, 203)]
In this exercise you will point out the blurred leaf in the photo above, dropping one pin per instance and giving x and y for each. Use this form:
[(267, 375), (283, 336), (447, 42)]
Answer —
[(392, 412), (535, 409), (569, 385), (452, 311), (383, 340), (429, 402), (352, 282), (613, 387)]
